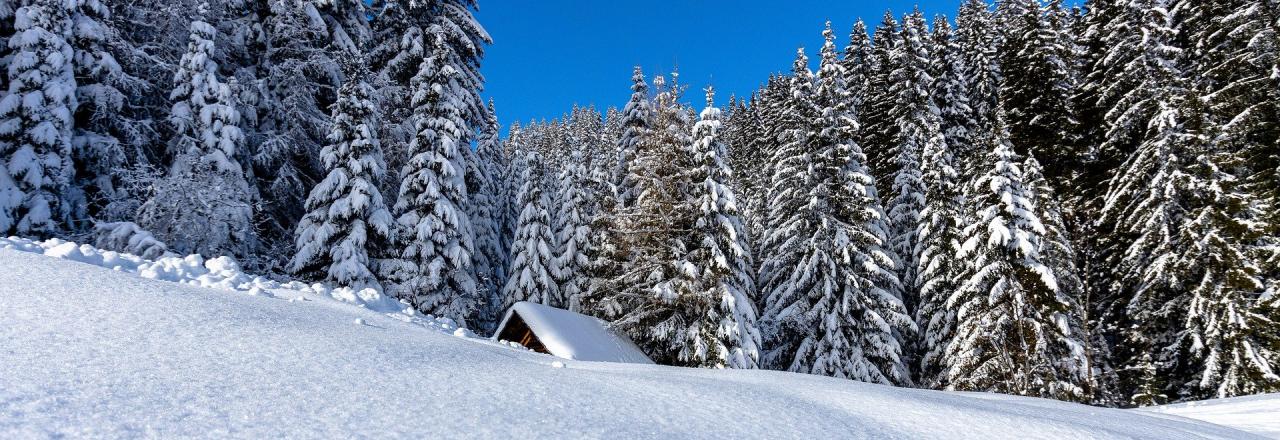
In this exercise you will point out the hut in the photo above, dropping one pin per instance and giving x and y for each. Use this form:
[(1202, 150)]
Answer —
[(566, 335)]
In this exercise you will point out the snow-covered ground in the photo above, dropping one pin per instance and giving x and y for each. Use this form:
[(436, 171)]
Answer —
[(123, 347), (1257, 414)]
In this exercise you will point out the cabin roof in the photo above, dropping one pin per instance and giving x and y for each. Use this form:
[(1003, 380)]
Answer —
[(574, 336)]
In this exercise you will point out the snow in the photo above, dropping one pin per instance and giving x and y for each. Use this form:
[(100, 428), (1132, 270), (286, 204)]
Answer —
[(1256, 414), (92, 346), (575, 336)]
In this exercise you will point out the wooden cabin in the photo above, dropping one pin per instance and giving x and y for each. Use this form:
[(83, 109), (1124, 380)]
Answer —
[(566, 335)]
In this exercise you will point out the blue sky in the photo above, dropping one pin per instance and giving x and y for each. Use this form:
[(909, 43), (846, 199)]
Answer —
[(549, 54)]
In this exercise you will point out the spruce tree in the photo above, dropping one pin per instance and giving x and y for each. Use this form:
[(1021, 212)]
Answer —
[(1037, 87), (485, 184), (347, 219), (635, 122), (918, 130), (878, 132), (951, 93), (532, 260), (1011, 335), (859, 64), (727, 333), (570, 267), (977, 37), (431, 264), (1228, 343), (942, 217), (36, 120), (834, 311), (781, 249), (656, 289), (205, 204)]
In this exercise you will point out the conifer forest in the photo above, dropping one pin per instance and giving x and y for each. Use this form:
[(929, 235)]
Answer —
[(1031, 198)]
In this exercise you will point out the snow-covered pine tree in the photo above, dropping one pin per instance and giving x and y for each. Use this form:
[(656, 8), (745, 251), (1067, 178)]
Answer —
[(108, 136), (1058, 253), (976, 35), (1011, 317), (570, 265), (1228, 337), (918, 129), (727, 333), (1147, 200), (432, 263), (405, 32), (606, 252), (859, 64), (746, 139), (951, 94), (834, 313), (205, 204), (36, 122), (532, 260), (771, 108), (1113, 46), (636, 120), (1244, 99), (781, 249), (657, 292), (943, 218), (290, 76), (486, 183), (347, 220)]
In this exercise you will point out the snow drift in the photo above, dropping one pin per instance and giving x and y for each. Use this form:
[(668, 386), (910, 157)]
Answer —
[(110, 349)]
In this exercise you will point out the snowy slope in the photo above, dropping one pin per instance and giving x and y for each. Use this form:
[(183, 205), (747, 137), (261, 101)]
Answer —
[(92, 352), (1257, 414)]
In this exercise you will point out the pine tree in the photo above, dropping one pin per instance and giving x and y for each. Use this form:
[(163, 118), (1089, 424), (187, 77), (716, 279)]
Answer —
[(657, 288), (635, 122), (942, 218), (407, 32), (36, 122), (919, 129), (486, 184), (746, 139), (108, 135), (290, 76), (532, 260), (976, 35), (431, 265), (727, 335), (952, 95), (1058, 253), (1226, 333), (859, 64), (781, 249), (347, 219), (570, 267), (833, 311), (1011, 332), (205, 204)]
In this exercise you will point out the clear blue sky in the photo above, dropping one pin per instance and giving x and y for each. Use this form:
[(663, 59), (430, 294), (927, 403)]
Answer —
[(549, 54)]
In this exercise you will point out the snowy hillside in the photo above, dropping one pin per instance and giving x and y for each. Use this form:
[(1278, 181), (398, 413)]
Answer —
[(116, 349), (1257, 414)]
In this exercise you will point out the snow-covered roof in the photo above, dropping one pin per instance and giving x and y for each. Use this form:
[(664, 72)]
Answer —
[(574, 336)]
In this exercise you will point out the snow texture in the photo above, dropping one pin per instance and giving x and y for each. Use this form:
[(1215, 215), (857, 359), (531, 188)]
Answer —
[(574, 336), (94, 353), (1257, 414)]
